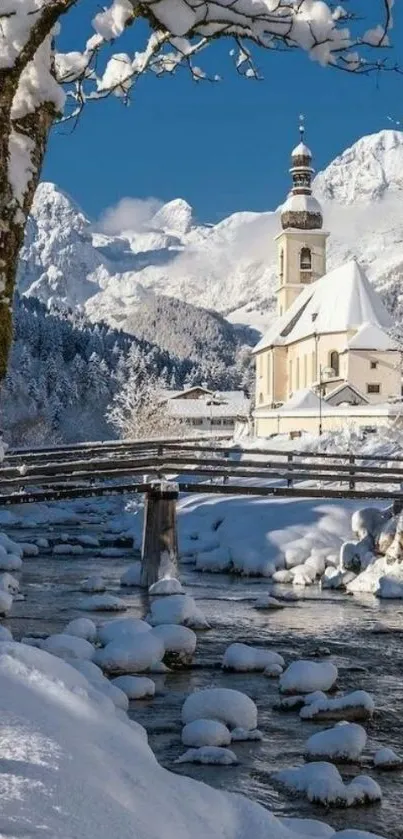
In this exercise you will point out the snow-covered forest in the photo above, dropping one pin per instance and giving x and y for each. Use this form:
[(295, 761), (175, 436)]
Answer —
[(64, 371)]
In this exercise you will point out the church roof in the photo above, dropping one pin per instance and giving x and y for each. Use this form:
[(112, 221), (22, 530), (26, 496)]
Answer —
[(305, 399), (341, 301), (301, 203), (371, 337)]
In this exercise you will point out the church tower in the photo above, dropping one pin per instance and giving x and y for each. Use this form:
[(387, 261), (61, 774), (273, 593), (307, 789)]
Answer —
[(302, 242)]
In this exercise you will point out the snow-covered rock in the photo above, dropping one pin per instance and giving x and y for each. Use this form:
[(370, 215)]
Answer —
[(130, 654), (166, 586), (307, 676), (266, 601), (177, 608), (9, 583), (344, 742), (6, 602), (132, 575), (68, 550), (321, 783), (28, 549), (68, 646), (103, 603), (205, 733), (179, 642), (387, 759), (239, 735), (135, 687), (5, 634), (94, 584), (215, 755), (121, 628), (357, 705), (242, 658), (9, 562), (231, 707), (82, 628)]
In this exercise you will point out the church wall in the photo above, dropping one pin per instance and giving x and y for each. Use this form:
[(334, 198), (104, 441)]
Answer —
[(291, 280), (309, 422), (308, 355), (387, 373)]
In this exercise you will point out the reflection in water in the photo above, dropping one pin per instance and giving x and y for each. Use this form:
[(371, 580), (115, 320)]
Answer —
[(353, 630)]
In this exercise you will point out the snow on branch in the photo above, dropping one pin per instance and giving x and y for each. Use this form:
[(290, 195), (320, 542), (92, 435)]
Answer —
[(38, 75)]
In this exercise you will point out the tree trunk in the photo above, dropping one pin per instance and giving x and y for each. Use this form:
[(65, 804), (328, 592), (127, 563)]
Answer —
[(14, 213)]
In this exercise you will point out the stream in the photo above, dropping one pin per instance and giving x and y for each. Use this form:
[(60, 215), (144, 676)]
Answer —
[(363, 636)]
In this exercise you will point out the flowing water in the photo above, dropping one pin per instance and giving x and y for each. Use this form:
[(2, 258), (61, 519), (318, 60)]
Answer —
[(364, 638)]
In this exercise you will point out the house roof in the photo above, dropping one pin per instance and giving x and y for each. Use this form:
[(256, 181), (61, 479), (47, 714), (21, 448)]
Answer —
[(229, 404), (372, 337), (348, 387), (305, 399), (341, 301)]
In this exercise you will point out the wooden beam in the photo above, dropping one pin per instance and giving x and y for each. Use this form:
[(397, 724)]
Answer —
[(159, 554)]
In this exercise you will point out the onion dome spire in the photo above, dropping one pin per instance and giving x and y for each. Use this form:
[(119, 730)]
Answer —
[(301, 210)]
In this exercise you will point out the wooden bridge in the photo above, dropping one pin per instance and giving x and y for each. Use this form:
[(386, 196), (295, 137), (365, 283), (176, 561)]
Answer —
[(161, 469)]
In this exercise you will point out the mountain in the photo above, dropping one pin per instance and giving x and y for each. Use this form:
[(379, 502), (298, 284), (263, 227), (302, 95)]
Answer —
[(229, 267)]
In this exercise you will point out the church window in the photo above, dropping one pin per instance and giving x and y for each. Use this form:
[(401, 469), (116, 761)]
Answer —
[(374, 365), (334, 360), (373, 388), (268, 373), (260, 397), (281, 265), (297, 374), (305, 370), (290, 376), (305, 259), (313, 377)]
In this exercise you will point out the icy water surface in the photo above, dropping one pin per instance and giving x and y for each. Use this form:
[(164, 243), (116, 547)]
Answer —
[(368, 657)]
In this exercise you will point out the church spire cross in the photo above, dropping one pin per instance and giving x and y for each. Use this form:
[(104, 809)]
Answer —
[(301, 127), (301, 209)]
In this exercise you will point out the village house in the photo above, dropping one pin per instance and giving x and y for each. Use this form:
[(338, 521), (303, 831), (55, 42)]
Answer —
[(219, 412)]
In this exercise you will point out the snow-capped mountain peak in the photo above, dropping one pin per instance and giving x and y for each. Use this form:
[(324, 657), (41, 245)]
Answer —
[(230, 266), (365, 172)]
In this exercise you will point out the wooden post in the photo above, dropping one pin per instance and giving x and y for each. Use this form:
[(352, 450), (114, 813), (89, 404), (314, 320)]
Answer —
[(351, 459), (159, 553), (289, 460)]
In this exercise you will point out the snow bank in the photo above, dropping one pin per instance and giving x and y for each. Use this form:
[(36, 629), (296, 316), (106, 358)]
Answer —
[(132, 575), (321, 783), (357, 705), (206, 733), (105, 780), (9, 562), (231, 707), (307, 676), (64, 645), (344, 742), (131, 654), (387, 759), (96, 678), (103, 603), (166, 586), (135, 687), (121, 628), (242, 658), (68, 550), (82, 628), (209, 755), (94, 584), (177, 608), (240, 734)]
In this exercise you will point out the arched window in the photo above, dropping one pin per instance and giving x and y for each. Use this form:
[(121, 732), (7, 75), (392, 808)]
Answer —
[(305, 259), (335, 362), (281, 265)]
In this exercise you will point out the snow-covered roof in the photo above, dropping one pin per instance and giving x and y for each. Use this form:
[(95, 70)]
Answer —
[(341, 301), (372, 337), (227, 404), (348, 388), (301, 151), (301, 203), (302, 399)]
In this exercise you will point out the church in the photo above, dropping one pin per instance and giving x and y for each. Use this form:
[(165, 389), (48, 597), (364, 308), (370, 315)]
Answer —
[(328, 359)]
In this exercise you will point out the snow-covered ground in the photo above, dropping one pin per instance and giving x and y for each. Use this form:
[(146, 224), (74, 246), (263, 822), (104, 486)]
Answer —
[(221, 707)]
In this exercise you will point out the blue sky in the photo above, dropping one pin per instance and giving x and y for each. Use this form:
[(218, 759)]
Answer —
[(223, 147)]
